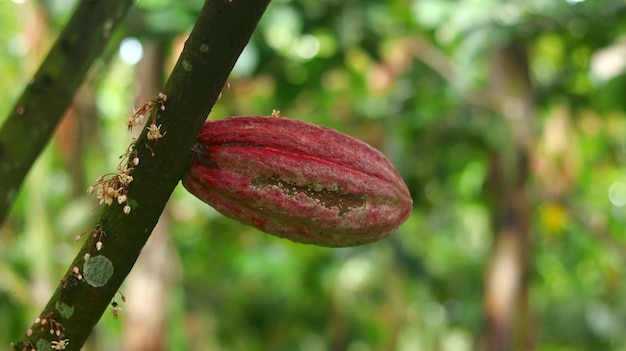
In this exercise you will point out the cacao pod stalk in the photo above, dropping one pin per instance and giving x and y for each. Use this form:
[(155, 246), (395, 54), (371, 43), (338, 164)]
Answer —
[(297, 180)]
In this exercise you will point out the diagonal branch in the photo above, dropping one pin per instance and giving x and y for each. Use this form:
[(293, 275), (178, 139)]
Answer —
[(219, 35), (37, 112)]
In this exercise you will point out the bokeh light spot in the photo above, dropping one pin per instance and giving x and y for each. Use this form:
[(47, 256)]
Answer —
[(307, 46), (617, 194), (131, 50)]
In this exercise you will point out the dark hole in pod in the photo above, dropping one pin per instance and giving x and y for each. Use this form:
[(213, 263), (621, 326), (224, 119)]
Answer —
[(326, 197)]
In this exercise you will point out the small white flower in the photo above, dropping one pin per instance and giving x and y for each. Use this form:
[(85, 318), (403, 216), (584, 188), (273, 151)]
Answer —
[(154, 132), (126, 209), (106, 200), (60, 345), (99, 245)]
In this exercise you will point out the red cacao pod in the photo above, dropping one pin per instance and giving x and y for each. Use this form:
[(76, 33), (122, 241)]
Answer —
[(297, 180)]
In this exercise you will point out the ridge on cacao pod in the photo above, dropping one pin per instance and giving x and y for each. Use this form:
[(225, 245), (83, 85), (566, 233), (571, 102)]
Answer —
[(296, 180)]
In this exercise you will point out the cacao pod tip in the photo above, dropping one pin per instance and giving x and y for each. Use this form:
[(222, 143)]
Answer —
[(296, 180)]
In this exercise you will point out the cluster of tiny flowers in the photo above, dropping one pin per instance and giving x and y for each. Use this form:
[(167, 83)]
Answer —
[(113, 187), (275, 113), (54, 327), (138, 117), (149, 108)]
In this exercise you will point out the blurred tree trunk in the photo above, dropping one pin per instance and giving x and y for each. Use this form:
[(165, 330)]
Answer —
[(148, 292), (75, 130), (35, 115), (506, 286)]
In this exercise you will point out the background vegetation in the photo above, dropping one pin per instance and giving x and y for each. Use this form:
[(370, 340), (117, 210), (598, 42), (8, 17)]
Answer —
[(506, 120)]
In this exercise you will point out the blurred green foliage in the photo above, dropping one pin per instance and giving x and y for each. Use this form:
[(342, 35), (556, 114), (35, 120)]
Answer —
[(410, 77)]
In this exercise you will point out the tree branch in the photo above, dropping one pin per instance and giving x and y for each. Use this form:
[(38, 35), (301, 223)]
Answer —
[(37, 112), (216, 41)]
